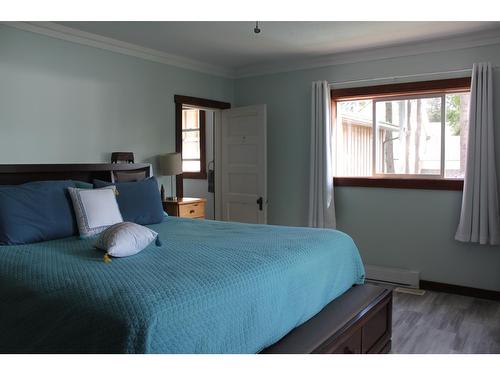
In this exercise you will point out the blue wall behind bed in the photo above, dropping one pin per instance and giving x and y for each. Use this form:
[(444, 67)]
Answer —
[(62, 102), (410, 229)]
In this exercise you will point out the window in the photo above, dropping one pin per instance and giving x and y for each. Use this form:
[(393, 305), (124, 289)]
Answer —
[(411, 131), (193, 143), (186, 102)]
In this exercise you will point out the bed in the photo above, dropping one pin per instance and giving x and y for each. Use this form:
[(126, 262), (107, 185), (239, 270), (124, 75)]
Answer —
[(211, 287)]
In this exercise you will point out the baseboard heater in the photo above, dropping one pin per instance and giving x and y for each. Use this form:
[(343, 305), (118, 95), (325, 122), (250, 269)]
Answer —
[(393, 276)]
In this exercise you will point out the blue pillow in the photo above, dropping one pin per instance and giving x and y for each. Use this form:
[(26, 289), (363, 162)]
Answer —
[(139, 202), (82, 184), (36, 211)]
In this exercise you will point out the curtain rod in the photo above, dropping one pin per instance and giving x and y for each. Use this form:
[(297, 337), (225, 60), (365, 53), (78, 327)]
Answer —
[(469, 70)]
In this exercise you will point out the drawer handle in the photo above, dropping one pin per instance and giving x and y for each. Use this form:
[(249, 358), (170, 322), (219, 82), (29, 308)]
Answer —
[(348, 351), (191, 211)]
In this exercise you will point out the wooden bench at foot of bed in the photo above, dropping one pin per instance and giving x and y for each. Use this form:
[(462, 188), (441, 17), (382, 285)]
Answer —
[(357, 322)]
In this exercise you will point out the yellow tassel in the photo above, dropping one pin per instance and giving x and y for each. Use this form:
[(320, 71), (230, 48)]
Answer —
[(117, 193), (107, 259)]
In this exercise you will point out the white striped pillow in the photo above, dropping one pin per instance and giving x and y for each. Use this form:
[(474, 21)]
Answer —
[(95, 209)]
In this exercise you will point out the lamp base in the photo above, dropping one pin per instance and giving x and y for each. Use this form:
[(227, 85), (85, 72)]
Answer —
[(162, 193)]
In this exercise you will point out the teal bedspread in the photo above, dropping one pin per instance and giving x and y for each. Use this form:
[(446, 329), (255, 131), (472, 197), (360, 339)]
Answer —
[(212, 287)]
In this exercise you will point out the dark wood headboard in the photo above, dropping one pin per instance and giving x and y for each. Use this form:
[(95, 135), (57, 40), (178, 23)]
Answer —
[(14, 174)]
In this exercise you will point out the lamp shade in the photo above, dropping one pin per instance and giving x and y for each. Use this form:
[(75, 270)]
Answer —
[(170, 164)]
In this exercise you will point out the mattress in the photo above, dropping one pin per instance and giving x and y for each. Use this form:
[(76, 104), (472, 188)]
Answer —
[(211, 287)]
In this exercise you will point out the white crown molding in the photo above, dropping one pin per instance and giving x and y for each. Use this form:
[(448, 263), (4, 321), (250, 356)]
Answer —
[(489, 37), (93, 40), (464, 41)]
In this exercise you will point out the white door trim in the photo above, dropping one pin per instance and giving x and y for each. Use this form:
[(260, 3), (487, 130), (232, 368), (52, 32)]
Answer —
[(217, 163)]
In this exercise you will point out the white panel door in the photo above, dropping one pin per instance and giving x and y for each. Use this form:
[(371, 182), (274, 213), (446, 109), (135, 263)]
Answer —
[(244, 164)]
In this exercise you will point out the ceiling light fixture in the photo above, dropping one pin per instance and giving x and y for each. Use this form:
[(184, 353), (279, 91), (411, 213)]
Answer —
[(256, 30)]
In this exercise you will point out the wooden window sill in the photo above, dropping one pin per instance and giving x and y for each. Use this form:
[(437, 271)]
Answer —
[(195, 175), (400, 183)]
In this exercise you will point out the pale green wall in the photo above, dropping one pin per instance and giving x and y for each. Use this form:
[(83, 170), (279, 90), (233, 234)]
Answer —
[(421, 223), (65, 102)]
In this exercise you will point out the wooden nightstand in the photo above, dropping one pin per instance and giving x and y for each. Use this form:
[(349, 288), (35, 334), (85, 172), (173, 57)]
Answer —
[(193, 208)]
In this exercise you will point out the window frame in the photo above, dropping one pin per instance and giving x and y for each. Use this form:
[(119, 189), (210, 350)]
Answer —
[(179, 101), (202, 174), (436, 88)]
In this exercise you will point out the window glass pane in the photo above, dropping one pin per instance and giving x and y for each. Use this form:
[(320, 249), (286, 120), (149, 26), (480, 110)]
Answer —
[(190, 144), (352, 138), (456, 133), (190, 119), (191, 166), (408, 136)]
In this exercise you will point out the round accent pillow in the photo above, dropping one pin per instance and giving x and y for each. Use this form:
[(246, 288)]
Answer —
[(125, 239)]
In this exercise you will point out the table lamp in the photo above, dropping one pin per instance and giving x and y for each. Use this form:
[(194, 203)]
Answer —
[(170, 165)]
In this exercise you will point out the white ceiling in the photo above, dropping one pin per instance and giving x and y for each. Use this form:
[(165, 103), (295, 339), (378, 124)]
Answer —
[(233, 45)]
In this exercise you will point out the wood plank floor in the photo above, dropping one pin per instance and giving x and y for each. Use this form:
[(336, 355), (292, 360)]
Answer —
[(444, 323)]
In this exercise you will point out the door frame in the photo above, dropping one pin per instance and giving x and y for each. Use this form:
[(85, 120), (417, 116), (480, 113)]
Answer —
[(201, 103)]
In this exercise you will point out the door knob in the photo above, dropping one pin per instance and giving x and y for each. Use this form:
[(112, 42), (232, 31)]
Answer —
[(259, 202)]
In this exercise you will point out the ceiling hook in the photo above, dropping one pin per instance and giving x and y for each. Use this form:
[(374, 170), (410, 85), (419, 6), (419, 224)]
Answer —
[(256, 30)]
